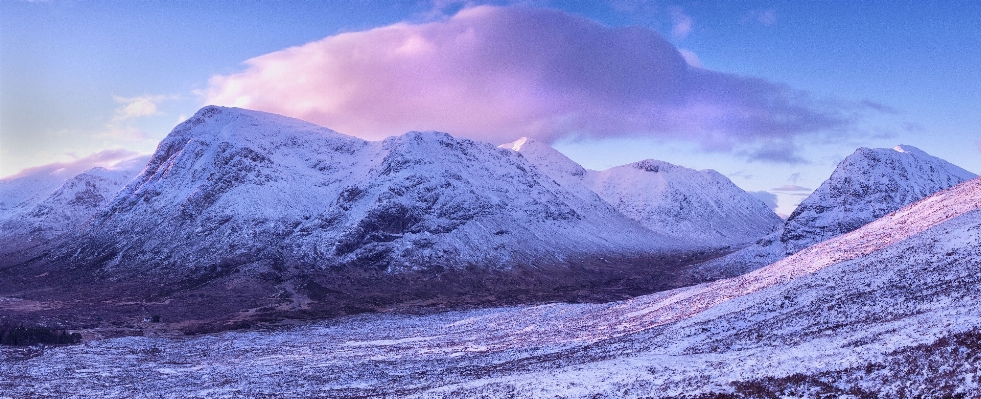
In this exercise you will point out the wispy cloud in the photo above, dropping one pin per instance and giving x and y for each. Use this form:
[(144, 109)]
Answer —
[(136, 107), (913, 127), (680, 23), (877, 106), (792, 188), (496, 74), (765, 17), (776, 151), (78, 164), (691, 58)]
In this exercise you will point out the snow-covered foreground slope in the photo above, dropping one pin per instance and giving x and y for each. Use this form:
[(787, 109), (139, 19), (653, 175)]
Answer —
[(46, 205), (888, 310), (865, 186), (698, 207)]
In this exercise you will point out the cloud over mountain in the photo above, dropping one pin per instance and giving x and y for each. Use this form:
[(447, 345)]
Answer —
[(496, 74)]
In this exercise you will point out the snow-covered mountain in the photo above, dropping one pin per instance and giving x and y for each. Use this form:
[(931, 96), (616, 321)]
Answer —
[(887, 310), (698, 207), (865, 186), (231, 187), (46, 205)]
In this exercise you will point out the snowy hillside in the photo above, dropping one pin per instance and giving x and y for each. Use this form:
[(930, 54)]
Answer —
[(697, 207), (232, 186), (865, 186), (43, 213), (888, 310)]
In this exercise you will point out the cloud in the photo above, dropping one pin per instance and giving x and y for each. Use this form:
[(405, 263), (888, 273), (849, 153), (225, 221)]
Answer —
[(792, 188), (766, 17), (768, 198), (877, 106), (681, 23), (136, 107), (777, 151), (496, 74), (105, 158), (913, 127), (691, 58)]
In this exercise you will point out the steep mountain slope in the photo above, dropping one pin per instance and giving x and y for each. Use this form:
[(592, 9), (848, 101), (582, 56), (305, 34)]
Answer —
[(38, 218), (232, 185), (865, 186), (887, 310), (242, 217), (698, 207)]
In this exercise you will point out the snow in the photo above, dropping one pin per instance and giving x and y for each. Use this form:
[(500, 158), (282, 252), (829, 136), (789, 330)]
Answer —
[(45, 211), (847, 312), (864, 288), (268, 187), (865, 186), (701, 208)]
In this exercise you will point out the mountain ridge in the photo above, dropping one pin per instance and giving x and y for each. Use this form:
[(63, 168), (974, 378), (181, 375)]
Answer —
[(699, 207), (865, 186)]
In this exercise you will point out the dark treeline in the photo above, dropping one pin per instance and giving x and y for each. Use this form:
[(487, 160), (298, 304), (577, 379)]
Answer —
[(24, 336)]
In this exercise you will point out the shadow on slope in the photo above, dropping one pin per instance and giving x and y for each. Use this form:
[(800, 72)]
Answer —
[(265, 293)]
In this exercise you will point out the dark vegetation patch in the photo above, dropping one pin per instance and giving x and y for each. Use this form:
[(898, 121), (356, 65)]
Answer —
[(251, 293), (934, 370), (21, 335)]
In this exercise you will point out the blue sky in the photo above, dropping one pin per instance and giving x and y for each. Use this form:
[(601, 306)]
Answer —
[(78, 78)]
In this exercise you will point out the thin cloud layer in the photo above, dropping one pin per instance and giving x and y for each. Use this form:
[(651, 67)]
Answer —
[(496, 74), (136, 107), (105, 158), (681, 23), (793, 188)]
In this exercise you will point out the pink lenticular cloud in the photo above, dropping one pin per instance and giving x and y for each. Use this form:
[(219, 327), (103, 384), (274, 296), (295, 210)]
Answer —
[(496, 74)]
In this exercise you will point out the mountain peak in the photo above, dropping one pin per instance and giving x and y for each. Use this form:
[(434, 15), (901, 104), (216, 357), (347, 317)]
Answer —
[(518, 144), (905, 148), (655, 166)]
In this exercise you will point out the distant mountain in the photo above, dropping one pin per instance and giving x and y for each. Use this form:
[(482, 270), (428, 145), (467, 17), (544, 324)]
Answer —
[(231, 186), (865, 186), (44, 206), (697, 207)]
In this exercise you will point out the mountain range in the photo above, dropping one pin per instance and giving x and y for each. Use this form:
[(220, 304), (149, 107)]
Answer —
[(272, 217), (886, 310)]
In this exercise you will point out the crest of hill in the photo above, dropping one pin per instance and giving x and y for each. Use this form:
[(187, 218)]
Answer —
[(699, 207)]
